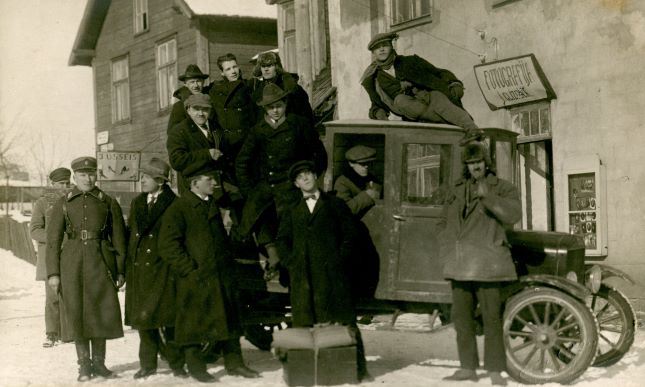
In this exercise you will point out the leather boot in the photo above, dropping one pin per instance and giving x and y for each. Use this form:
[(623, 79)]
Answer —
[(83, 355), (98, 359)]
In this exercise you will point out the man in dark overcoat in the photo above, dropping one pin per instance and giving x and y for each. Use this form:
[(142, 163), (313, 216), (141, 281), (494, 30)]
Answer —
[(193, 241), (60, 179), (193, 80), (273, 145), (150, 294), (316, 241), (478, 259), (88, 268)]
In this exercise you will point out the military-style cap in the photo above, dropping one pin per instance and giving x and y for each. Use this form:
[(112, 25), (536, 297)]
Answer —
[(382, 37), (199, 170), (360, 154), (85, 163), (198, 100), (475, 152), (60, 174), (156, 168), (300, 166), (192, 71), (271, 93)]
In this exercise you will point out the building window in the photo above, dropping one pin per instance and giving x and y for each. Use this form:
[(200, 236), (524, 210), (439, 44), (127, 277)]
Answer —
[(166, 72), (408, 11), (535, 150), (288, 26), (120, 90), (140, 16), (427, 172)]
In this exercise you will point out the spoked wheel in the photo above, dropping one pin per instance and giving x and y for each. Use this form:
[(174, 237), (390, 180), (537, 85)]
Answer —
[(616, 323), (549, 336)]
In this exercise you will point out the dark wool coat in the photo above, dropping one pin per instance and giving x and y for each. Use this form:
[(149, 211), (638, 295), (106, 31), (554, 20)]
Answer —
[(475, 247), (297, 100), (150, 294), (264, 161), (87, 269), (37, 227), (421, 73), (193, 241), (316, 248)]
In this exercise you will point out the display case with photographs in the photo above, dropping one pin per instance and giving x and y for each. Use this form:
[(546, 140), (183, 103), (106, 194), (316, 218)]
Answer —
[(585, 203)]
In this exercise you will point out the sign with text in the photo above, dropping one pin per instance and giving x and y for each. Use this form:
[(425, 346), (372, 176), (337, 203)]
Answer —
[(118, 166), (102, 137), (514, 81)]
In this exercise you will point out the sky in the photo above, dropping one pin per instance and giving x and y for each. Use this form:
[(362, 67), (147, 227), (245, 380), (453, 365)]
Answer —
[(46, 107)]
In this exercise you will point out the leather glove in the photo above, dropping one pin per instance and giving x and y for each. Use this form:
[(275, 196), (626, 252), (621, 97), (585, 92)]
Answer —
[(456, 90), (54, 283)]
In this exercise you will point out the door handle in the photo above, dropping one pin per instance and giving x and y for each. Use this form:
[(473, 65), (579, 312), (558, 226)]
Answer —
[(399, 218)]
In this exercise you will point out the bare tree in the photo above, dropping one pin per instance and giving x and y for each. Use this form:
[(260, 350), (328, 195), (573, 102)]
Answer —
[(44, 157)]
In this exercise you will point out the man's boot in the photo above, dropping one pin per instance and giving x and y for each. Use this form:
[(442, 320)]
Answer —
[(98, 359), (83, 355)]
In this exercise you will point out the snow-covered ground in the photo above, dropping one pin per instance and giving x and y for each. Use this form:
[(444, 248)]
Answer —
[(411, 357)]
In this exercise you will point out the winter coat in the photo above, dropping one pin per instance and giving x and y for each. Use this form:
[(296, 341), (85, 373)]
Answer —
[(193, 241), (297, 100), (150, 294), (316, 248), (474, 247), (37, 227), (264, 161), (87, 268), (421, 73), (358, 201)]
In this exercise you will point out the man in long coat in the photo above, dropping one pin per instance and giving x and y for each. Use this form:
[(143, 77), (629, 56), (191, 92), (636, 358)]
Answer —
[(150, 294), (59, 178), (316, 241), (193, 241), (478, 259), (88, 268)]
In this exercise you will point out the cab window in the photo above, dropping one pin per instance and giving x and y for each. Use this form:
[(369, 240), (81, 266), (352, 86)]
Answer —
[(426, 173)]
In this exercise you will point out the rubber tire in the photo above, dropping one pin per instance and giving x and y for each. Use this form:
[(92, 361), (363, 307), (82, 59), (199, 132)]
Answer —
[(587, 324), (623, 306)]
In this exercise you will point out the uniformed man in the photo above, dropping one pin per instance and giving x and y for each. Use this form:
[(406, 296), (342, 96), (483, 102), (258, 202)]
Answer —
[(59, 178), (88, 268)]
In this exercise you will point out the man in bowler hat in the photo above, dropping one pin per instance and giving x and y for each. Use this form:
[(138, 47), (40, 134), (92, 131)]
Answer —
[(411, 87), (193, 241), (193, 80), (60, 179), (88, 268), (150, 294)]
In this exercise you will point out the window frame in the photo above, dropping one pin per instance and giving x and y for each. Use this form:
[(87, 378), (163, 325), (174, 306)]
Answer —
[(541, 134), (140, 16), (288, 36), (414, 20), (115, 96), (169, 78), (443, 167)]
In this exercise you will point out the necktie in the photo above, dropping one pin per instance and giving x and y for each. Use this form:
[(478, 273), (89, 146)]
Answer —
[(310, 197), (151, 202)]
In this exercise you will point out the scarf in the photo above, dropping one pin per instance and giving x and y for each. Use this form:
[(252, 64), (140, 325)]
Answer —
[(376, 65)]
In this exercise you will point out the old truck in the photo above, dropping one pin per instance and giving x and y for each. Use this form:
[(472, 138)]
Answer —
[(560, 317)]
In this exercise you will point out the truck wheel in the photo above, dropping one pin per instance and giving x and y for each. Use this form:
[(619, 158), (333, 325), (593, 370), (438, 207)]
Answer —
[(616, 323), (550, 337)]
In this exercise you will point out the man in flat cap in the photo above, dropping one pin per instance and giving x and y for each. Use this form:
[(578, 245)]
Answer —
[(193, 241), (411, 87), (150, 294), (88, 268), (273, 145), (193, 80), (59, 179), (316, 241)]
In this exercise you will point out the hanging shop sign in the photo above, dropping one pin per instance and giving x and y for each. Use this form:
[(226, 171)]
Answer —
[(118, 166), (514, 81)]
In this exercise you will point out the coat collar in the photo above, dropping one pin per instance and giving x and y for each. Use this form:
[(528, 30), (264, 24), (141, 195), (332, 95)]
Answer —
[(95, 191), (145, 220), (285, 125), (491, 179)]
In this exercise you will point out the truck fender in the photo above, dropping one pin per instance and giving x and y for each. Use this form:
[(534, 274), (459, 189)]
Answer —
[(608, 272), (574, 289)]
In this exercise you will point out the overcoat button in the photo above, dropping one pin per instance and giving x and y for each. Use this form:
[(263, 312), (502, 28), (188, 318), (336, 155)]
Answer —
[(148, 251), (136, 235)]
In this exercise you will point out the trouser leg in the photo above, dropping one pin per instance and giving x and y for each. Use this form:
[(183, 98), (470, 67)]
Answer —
[(232, 352), (442, 106), (52, 312), (173, 353), (148, 348), (463, 307), (490, 303)]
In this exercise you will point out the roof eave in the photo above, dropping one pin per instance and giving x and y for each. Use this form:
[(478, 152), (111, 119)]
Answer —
[(83, 50)]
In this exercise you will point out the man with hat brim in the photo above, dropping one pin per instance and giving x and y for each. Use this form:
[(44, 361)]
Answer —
[(88, 268), (477, 212), (150, 294), (60, 180), (411, 87), (193, 80), (268, 70), (316, 240), (276, 142), (194, 243)]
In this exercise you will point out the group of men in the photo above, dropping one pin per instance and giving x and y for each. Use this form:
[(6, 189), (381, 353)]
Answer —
[(249, 147)]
